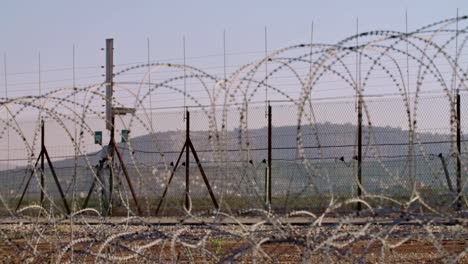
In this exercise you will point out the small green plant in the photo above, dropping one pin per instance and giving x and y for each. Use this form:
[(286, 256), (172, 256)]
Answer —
[(218, 245)]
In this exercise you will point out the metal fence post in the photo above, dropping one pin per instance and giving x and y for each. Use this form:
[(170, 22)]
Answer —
[(187, 161), (359, 155), (269, 153), (459, 200)]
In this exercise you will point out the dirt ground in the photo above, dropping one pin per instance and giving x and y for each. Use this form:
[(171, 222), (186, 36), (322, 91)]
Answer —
[(49, 243)]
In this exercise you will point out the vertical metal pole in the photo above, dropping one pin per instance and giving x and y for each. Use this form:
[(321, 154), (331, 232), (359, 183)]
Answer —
[(225, 132), (7, 114), (110, 157), (39, 73), (42, 162), (269, 153), (459, 201), (359, 105), (110, 121), (411, 161), (359, 154), (109, 82), (149, 86), (224, 57), (185, 74), (266, 184), (187, 160), (266, 71), (407, 55), (459, 198), (75, 167)]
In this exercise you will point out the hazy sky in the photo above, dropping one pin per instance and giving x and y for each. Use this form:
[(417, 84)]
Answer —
[(53, 27)]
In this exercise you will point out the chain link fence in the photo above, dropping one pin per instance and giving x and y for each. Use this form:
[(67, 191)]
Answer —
[(311, 163)]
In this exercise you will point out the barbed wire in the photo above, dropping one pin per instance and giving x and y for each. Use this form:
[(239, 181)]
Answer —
[(386, 141)]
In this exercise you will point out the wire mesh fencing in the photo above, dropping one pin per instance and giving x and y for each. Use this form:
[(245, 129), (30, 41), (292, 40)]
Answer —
[(310, 164)]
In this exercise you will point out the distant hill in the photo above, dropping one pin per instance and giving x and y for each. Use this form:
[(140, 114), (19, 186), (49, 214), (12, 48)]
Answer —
[(332, 155), (326, 140)]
